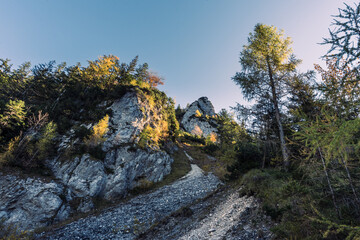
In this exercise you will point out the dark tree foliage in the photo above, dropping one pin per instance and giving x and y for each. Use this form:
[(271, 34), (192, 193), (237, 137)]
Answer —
[(248, 157), (67, 96)]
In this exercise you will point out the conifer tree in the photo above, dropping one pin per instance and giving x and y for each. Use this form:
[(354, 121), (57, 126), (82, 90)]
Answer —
[(267, 63)]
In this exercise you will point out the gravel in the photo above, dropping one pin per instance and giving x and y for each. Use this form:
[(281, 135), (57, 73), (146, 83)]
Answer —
[(234, 218), (128, 220), (221, 215)]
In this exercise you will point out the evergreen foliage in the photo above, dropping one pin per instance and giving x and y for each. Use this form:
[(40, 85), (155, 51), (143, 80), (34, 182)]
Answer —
[(344, 38), (267, 64), (50, 99), (318, 197)]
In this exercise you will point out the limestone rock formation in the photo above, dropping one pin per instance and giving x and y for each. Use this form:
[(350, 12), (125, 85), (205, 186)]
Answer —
[(125, 164), (197, 118), (32, 203), (28, 203), (122, 170), (127, 121)]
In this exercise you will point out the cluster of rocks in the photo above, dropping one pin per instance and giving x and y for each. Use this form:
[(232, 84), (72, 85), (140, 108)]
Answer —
[(31, 202), (129, 220)]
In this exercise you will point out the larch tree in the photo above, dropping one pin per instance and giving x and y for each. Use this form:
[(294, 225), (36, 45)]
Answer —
[(344, 37), (267, 64)]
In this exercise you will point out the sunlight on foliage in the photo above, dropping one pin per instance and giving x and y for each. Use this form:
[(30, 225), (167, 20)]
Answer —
[(197, 131), (98, 132), (198, 113)]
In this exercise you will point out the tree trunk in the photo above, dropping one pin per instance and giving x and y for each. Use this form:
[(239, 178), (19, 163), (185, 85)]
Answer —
[(350, 180), (329, 184), (284, 150)]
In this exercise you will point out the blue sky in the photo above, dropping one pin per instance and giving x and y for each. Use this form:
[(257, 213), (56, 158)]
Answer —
[(193, 44)]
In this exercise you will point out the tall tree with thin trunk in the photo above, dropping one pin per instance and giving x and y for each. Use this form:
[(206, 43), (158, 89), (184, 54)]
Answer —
[(267, 64)]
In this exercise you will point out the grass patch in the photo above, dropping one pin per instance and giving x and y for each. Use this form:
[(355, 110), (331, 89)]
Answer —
[(180, 167)]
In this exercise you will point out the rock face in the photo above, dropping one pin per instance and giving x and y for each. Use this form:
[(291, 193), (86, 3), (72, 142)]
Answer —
[(127, 121), (32, 203), (123, 169), (124, 166), (130, 167), (196, 119), (28, 203)]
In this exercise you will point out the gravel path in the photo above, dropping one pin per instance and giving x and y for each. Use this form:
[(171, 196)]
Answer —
[(218, 223), (230, 219), (222, 215), (128, 220)]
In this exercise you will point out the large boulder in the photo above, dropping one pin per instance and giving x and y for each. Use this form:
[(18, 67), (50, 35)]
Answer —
[(123, 169), (129, 167), (28, 203), (198, 118), (85, 177)]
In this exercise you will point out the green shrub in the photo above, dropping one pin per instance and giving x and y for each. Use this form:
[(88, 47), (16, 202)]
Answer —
[(28, 151), (285, 200), (188, 137), (143, 185), (247, 157)]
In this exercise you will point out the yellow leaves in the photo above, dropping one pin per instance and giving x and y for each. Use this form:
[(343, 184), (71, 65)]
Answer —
[(267, 45), (212, 137), (102, 70), (197, 131), (103, 64), (14, 114), (198, 113), (98, 132), (101, 128)]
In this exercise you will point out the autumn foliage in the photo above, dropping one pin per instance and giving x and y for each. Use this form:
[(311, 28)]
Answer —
[(153, 79)]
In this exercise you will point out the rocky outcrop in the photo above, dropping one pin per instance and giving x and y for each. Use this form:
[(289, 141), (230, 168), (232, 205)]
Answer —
[(198, 118), (128, 220), (130, 167), (28, 203), (123, 169), (32, 203), (129, 117), (125, 166)]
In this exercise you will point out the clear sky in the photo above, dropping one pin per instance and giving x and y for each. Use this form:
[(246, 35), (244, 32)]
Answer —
[(193, 44)]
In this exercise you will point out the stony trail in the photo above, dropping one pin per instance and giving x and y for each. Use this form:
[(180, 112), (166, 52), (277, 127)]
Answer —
[(222, 215), (127, 220), (230, 219)]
